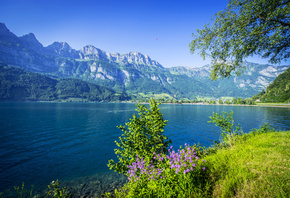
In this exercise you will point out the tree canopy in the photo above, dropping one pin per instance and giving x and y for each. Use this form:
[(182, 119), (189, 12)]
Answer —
[(243, 29)]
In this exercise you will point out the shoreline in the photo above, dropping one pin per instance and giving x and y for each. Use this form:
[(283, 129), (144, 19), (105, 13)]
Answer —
[(200, 103)]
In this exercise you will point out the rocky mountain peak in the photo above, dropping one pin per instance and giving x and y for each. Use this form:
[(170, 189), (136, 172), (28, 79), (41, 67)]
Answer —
[(91, 52), (57, 46), (6, 35), (62, 49), (30, 41), (4, 29), (29, 37), (90, 49), (136, 57)]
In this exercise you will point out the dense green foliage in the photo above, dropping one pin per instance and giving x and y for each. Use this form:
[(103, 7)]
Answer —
[(244, 29), (178, 174), (278, 90), (19, 85), (142, 137)]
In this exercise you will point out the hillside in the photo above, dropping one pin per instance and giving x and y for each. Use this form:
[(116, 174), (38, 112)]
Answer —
[(133, 73), (278, 90), (19, 85)]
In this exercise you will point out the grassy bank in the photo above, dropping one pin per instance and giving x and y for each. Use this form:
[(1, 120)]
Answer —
[(273, 104), (256, 166)]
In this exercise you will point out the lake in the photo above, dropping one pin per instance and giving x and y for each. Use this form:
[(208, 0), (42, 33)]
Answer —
[(72, 142)]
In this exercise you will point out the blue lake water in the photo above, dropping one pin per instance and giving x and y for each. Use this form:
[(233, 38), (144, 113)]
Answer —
[(72, 142)]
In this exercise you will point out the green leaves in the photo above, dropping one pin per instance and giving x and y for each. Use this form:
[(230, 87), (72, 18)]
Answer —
[(226, 122), (56, 192), (243, 29), (142, 136)]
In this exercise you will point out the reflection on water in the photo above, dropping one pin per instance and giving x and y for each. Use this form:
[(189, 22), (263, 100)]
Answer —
[(72, 142)]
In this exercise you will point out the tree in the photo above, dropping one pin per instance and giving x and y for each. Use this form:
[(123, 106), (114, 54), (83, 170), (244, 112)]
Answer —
[(244, 29), (240, 101), (227, 102), (143, 136), (226, 122), (234, 101)]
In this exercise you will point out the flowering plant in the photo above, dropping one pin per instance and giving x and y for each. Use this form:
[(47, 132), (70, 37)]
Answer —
[(177, 173)]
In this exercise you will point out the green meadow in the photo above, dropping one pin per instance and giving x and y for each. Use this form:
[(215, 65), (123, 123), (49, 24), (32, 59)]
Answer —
[(256, 166)]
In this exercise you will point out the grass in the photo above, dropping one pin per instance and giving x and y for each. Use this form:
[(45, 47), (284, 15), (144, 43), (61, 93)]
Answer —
[(156, 96), (256, 166), (227, 98), (271, 104)]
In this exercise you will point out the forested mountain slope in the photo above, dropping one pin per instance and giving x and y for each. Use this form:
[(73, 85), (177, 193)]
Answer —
[(278, 90), (19, 85)]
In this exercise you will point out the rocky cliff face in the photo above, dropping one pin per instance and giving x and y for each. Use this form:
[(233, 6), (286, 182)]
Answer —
[(255, 76), (133, 72), (29, 41), (61, 49), (5, 34)]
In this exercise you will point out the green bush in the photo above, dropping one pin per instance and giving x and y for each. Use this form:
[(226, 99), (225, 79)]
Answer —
[(55, 191), (143, 136), (229, 131), (178, 174)]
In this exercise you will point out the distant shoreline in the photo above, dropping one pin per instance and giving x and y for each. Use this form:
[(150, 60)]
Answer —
[(282, 105)]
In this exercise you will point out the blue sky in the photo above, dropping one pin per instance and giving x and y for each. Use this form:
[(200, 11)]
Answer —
[(161, 29)]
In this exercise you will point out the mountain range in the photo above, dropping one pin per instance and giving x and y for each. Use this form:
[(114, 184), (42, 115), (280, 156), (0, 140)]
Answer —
[(132, 73)]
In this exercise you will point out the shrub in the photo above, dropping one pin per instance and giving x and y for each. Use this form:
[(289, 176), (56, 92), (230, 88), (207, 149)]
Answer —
[(180, 173), (143, 136), (55, 191), (229, 131)]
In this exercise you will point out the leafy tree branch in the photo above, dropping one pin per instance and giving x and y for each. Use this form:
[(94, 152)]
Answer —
[(244, 29)]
